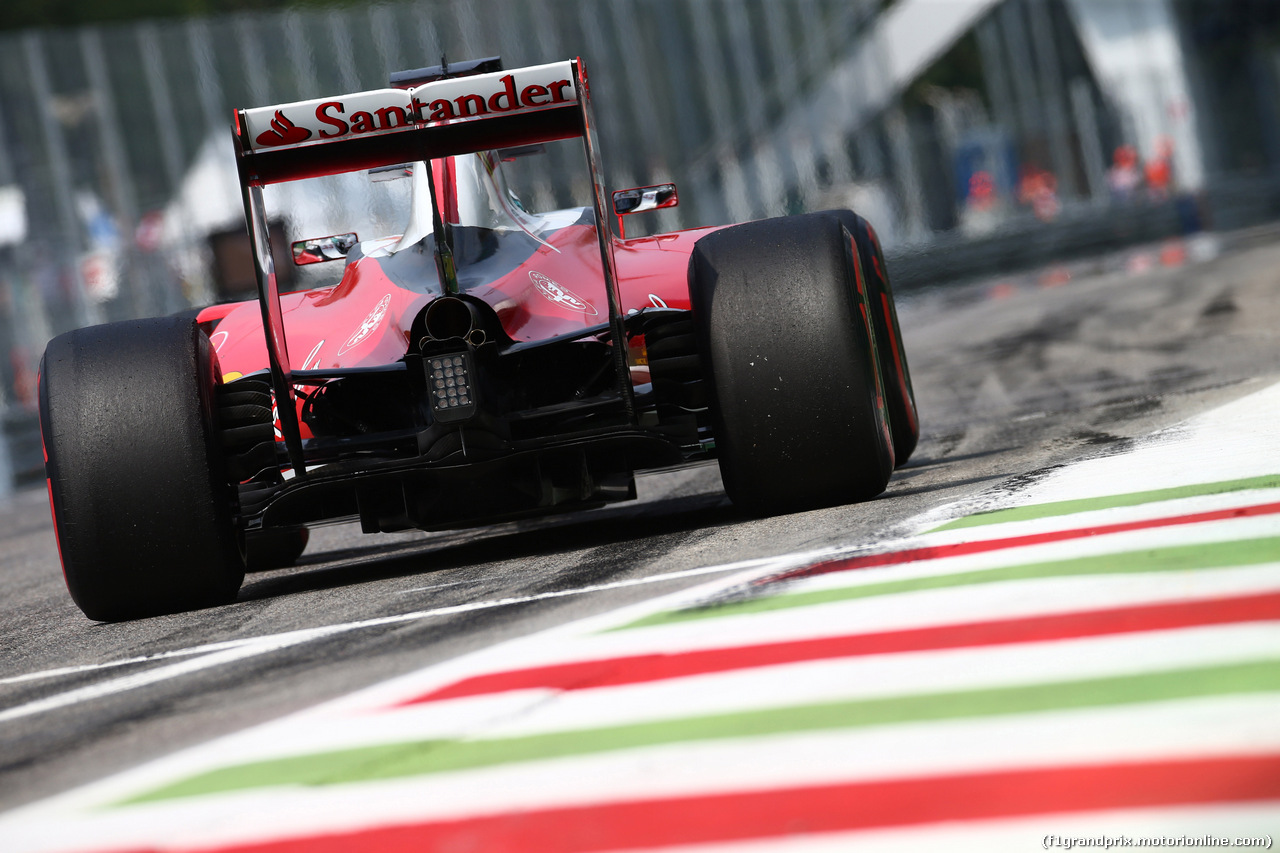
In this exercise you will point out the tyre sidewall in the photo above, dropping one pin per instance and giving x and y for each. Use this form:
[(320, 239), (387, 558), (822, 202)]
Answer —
[(142, 508), (900, 396), (788, 351)]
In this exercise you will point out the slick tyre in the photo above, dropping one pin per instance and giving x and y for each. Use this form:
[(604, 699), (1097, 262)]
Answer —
[(899, 397), (783, 331), (142, 508)]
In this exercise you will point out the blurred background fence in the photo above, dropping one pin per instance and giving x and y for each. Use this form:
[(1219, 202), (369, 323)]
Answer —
[(977, 135)]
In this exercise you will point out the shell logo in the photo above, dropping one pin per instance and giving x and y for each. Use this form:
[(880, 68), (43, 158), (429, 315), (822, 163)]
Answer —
[(561, 295)]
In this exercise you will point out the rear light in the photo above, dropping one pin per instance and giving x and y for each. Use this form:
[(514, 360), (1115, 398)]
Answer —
[(453, 397)]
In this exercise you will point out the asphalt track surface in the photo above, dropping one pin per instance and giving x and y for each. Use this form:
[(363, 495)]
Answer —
[(1013, 377)]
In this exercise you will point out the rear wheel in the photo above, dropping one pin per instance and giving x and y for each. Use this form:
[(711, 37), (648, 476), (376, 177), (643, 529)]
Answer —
[(783, 329), (899, 397), (142, 506)]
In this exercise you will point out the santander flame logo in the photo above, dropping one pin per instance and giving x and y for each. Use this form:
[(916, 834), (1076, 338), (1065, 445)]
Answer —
[(283, 132)]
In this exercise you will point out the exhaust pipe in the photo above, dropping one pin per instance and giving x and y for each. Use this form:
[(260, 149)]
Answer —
[(449, 317)]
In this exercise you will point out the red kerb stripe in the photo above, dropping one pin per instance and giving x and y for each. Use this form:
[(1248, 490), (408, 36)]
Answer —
[(787, 812), (960, 549), (636, 669)]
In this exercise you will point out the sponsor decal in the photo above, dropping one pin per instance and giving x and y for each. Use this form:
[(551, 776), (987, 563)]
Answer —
[(333, 114), (312, 360), (502, 100), (218, 339), (560, 295), (282, 132), (388, 110), (367, 327)]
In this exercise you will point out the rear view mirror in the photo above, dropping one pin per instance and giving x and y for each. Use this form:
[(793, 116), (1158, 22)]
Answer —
[(639, 200), (321, 249)]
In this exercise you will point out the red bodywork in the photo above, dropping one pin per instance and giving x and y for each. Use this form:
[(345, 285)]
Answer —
[(364, 320)]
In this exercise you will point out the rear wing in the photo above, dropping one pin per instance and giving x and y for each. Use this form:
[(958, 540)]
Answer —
[(383, 127), (363, 130)]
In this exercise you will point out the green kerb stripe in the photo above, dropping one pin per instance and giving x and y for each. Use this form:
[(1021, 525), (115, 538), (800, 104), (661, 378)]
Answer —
[(1048, 510), (1245, 552), (416, 758)]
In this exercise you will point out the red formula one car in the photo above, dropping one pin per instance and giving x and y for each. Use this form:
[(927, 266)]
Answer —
[(487, 362)]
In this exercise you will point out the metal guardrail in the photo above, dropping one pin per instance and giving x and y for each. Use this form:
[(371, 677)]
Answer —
[(953, 258), (1227, 204)]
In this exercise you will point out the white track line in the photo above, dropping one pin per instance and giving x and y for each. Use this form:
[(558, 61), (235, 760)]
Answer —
[(93, 667), (217, 654), (139, 679)]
